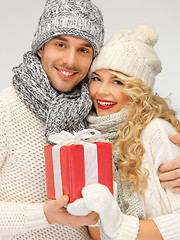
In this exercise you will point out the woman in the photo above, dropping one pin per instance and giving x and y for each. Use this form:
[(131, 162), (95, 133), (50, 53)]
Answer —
[(138, 123)]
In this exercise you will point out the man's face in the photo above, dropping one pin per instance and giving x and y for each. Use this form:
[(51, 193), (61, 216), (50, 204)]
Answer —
[(66, 61)]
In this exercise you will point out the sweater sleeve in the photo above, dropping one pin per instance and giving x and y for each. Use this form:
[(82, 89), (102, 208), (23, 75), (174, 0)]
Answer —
[(165, 204), (19, 218), (3, 133), (16, 217)]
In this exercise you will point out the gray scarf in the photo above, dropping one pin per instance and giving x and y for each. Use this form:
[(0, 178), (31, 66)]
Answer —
[(60, 111)]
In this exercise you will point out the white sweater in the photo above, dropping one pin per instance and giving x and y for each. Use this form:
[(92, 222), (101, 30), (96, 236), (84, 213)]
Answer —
[(22, 175), (160, 204)]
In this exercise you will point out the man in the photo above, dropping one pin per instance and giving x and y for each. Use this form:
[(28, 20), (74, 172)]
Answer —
[(49, 94)]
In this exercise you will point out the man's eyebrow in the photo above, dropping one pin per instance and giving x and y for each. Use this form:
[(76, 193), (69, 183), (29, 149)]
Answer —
[(62, 38), (88, 45)]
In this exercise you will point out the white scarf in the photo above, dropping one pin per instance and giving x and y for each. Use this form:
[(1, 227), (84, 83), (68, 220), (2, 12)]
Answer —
[(108, 125)]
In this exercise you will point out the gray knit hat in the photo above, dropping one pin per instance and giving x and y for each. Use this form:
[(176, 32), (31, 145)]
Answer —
[(80, 18), (131, 51)]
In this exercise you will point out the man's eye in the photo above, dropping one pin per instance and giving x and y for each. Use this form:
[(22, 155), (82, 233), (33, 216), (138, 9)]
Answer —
[(117, 82), (83, 50), (61, 45)]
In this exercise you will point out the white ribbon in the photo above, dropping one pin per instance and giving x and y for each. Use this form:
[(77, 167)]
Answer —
[(57, 171), (91, 167), (84, 136)]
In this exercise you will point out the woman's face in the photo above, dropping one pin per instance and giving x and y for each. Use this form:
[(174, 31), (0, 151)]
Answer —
[(106, 91)]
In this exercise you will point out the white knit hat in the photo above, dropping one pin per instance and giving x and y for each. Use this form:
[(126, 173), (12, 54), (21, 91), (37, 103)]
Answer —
[(131, 52)]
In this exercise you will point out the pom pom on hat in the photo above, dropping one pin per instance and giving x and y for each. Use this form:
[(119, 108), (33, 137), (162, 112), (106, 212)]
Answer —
[(131, 52), (80, 18), (148, 32)]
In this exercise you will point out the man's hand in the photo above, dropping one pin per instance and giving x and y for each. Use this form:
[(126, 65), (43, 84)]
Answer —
[(175, 139), (170, 172), (56, 213)]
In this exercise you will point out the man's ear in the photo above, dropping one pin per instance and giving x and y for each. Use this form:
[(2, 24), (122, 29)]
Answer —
[(39, 52)]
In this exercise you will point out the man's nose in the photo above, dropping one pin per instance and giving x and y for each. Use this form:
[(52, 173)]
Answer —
[(70, 58)]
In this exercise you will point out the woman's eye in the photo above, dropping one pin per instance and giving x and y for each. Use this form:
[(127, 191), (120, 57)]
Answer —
[(118, 82), (95, 79)]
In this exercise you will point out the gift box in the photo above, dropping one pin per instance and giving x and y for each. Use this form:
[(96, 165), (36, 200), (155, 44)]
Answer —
[(70, 167)]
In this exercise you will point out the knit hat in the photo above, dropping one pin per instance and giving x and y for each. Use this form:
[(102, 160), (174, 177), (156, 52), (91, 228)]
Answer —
[(131, 52), (80, 18)]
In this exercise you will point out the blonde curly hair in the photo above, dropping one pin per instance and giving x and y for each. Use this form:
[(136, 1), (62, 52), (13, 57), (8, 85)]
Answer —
[(143, 107)]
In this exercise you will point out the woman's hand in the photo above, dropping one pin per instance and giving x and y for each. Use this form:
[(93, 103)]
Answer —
[(116, 225)]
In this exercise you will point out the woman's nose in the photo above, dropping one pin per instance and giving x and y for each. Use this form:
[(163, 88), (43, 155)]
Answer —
[(104, 89)]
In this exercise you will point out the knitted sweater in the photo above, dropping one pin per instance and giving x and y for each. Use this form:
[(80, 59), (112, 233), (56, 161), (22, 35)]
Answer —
[(22, 175), (158, 203)]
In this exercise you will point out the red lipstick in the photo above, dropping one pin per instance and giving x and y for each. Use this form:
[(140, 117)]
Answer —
[(105, 104)]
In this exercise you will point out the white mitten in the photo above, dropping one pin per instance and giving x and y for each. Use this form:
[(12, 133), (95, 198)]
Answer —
[(78, 208), (116, 225), (115, 190)]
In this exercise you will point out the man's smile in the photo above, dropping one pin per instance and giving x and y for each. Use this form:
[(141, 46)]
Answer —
[(66, 74)]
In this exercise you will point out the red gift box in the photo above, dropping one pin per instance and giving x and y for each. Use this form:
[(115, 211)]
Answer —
[(71, 167)]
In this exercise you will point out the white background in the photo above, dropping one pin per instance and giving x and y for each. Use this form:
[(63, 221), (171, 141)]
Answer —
[(18, 21)]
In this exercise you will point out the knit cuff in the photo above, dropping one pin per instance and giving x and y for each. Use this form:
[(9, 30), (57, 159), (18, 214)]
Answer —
[(35, 217), (96, 225), (129, 228), (169, 225)]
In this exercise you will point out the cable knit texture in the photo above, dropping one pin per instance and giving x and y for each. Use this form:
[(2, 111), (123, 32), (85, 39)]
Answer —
[(80, 18), (160, 204), (22, 175), (131, 51)]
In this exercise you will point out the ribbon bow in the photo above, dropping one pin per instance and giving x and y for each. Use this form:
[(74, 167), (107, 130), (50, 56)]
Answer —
[(84, 136)]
